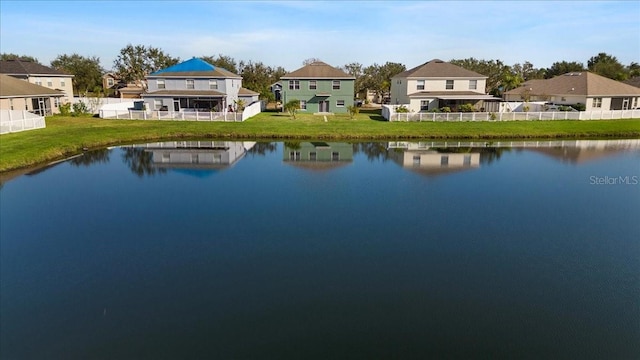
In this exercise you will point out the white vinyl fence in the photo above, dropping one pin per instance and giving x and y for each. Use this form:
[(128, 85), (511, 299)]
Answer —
[(19, 120), (184, 114), (388, 112), (95, 103)]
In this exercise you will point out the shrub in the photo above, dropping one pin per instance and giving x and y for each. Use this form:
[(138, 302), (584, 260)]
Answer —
[(466, 108), (80, 108), (445, 109), (65, 109), (353, 111), (579, 107), (292, 107), (402, 109)]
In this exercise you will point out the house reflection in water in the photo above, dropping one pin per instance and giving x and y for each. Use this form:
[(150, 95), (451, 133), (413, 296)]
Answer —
[(581, 151), (197, 154), (428, 161), (317, 155)]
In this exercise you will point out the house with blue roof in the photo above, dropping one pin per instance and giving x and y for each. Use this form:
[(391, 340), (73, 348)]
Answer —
[(195, 85)]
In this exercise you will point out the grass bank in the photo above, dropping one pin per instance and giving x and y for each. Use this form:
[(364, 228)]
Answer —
[(65, 136)]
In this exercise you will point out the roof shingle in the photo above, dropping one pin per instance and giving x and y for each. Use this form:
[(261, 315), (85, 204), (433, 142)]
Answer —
[(577, 83), (437, 68), (317, 70), (192, 68), (12, 87), (21, 67)]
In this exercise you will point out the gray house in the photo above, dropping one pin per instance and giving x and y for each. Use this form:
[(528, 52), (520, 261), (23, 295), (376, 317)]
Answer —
[(195, 85)]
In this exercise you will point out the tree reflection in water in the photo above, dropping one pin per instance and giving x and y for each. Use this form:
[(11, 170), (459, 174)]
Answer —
[(373, 150), (91, 157), (262, 148), (140, 162)]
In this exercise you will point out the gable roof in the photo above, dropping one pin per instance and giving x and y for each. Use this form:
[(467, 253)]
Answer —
[(437, 68), (22, 67), (317, 70), (577, 83), (11, 87), (194, 67)]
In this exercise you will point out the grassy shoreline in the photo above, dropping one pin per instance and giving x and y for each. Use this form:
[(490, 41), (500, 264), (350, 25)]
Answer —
[(67, 136)]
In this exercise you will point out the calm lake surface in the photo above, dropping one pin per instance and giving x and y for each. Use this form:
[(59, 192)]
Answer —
[(243, 250)]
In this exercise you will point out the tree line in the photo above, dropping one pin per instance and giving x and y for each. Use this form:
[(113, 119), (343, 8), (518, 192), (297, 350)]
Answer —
[(135, 62)]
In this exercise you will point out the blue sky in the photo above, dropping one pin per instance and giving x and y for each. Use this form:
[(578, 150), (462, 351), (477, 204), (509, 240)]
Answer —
[(285, 33)]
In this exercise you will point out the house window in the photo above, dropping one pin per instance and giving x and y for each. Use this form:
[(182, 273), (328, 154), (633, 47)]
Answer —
[(49, 83), (336, 84), (473, 84), (335, 156), (38, 81), (313, 156), (597, 102), (444, 160), (467, 160), (157, 104), (294, 84), (62, 83), (161, 84), (303, 105), (166, 157), (420, 85), (340, 103), (190, 84), (416, 160), (213, 84), (109, 82), (449, 85), (313, 85), (424, 104), (294, 155)]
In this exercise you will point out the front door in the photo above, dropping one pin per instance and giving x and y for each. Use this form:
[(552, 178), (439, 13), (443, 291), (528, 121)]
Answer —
[(176, 105), (323, 106)]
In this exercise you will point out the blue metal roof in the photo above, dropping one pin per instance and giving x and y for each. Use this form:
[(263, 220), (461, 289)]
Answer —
[(190, 65)]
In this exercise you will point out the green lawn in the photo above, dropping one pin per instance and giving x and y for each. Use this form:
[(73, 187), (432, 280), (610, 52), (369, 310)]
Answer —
[(65, 136)]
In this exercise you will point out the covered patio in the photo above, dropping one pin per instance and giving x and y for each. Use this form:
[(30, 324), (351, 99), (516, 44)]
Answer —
[(432, 100), (196, 100)]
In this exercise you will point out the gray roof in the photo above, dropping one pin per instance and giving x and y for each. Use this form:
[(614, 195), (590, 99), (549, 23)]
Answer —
[(21, 67), (317, 70), (577, 83), (437, 68), (11, 87)]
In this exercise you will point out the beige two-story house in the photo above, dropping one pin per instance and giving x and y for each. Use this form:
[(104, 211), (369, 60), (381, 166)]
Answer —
[(40, 75), (437, 84)]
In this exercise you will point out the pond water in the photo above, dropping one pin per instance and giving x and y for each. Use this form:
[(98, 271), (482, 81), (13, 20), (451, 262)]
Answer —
[(245, 250)]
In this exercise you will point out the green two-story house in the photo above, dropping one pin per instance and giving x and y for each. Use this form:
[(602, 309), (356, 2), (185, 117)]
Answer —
[(319, 87)]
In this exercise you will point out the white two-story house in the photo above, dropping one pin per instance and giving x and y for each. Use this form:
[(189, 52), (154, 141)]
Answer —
[(195, 85), (437, 84)]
